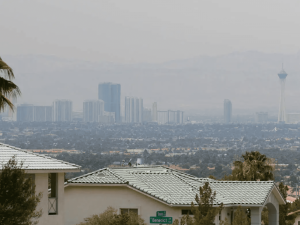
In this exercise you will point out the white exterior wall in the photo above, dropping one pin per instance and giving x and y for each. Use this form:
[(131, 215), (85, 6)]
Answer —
[(41, 182), (83, 201)]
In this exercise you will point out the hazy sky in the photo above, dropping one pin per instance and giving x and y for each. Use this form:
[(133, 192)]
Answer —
[(147, 30)]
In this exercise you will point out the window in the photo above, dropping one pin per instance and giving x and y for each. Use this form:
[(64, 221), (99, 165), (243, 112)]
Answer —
[(32, 177), (186, 211), (52, 195), (123, 211)]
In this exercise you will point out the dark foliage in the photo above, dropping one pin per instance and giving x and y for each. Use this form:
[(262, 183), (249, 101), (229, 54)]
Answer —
[(18, 200)]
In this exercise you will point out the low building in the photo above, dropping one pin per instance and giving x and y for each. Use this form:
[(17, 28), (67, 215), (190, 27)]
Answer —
[(43, 170), (297, 219), (147, 190)]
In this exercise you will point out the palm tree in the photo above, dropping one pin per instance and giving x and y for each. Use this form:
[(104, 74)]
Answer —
[(8, 89), (252, 167)]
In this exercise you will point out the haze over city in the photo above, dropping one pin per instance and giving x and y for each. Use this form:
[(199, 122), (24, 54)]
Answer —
[(187, 56)]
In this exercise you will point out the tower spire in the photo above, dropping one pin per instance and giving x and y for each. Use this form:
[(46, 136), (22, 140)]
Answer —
[(282, 77)]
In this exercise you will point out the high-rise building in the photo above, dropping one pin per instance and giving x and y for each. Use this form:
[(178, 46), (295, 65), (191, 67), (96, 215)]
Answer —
[(261, 117), (133, 110), (147, 117), (62, 110), (170, 117), (111, 95), (92, 110), (42, 113), (281, 115), (154, 112), (227, 111), (25, 113)]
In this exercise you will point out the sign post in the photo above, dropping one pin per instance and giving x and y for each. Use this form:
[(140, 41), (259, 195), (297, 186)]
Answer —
[(161, 218), (161, 213)]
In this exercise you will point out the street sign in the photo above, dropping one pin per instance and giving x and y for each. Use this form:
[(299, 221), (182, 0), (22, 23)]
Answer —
[(161, 213), (161, 220)]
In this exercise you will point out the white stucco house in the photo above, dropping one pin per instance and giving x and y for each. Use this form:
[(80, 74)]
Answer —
[(42, 169), (147, 190), (297, 219)]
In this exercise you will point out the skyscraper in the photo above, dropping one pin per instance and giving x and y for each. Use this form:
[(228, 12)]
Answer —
[(92, 110), (25, 113), (281, 115), (62, 110), (133, 110), (227, 111), (42, 113), (154, 112), (147, 117), (111, 95)]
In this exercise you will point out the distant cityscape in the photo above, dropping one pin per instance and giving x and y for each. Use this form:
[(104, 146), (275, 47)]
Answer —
[(107, 110)]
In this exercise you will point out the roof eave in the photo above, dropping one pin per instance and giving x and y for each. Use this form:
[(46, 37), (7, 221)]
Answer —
[(52, 170)]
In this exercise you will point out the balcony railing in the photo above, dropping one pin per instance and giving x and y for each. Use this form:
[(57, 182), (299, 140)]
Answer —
[(52, 206)]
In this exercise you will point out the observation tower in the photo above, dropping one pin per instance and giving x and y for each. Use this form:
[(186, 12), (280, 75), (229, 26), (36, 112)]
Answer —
[(281, 115)]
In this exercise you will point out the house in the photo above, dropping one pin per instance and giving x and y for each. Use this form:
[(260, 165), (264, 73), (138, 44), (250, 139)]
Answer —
[(147, 190), (297, 219), (42, 169)]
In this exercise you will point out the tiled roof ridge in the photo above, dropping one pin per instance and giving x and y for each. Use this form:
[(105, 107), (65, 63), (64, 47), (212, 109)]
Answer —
[(87, 174), (42, 156), (238, 181), (179, 177), (117, 176)]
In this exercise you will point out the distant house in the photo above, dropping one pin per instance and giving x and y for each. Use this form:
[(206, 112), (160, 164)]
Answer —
[(147, 190), (43, 168)]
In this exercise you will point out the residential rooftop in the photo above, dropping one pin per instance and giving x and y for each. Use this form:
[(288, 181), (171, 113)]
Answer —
[(33, 162), (178, 188)]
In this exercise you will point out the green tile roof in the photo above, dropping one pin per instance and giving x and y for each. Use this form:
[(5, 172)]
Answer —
[(178, 188)]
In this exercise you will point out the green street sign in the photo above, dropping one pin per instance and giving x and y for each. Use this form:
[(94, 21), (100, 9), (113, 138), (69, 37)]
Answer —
[(161, 220), (161, 213)]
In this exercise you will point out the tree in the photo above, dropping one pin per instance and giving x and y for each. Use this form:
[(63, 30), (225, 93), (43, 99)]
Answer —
[(284, 210), (240, 217), (8, 89), (204, 211), (265, 216), (253, 166), (18, 200), (110, 217), (295, 206)]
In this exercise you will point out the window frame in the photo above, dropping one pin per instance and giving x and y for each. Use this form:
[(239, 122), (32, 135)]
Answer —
[(189, 211), (128, 210)]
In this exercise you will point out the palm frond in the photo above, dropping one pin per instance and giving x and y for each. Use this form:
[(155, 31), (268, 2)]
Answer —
[(5, 102), (9, 88), (7, 70)]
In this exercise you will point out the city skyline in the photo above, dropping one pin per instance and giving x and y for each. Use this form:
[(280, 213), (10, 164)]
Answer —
[(254, 81)]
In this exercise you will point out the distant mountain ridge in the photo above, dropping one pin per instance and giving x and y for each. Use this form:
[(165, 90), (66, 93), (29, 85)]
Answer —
[(249, 79)]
